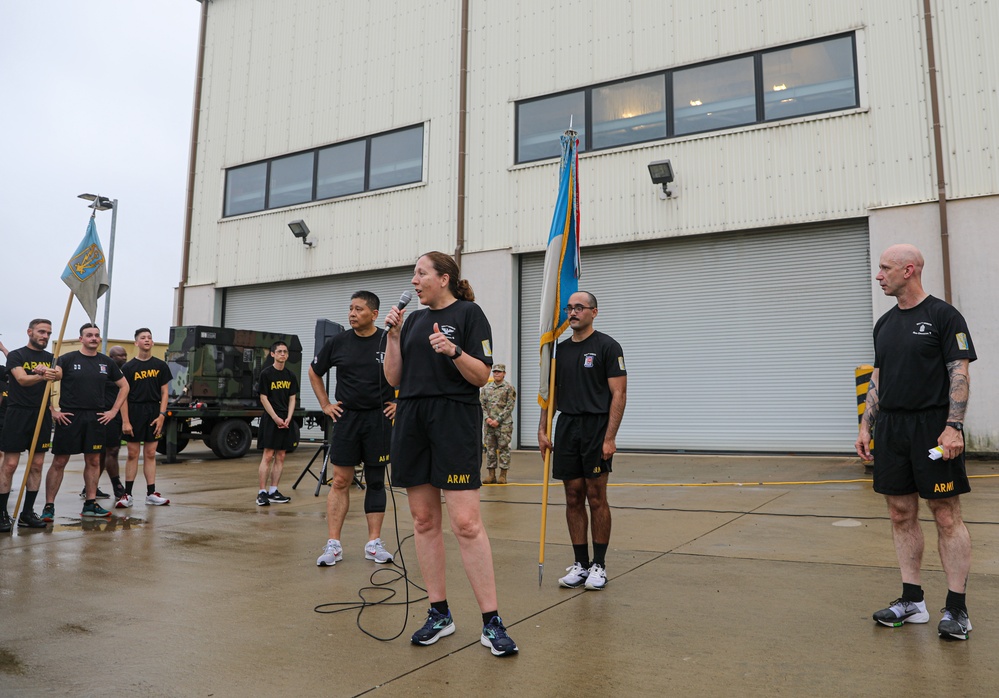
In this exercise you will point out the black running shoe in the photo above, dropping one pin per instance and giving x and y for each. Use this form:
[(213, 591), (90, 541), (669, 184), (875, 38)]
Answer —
[(438, 625), (955, 623), (100, 494), (278, 498), (28, 519), (6, 524), (495, 638), (262, 500)]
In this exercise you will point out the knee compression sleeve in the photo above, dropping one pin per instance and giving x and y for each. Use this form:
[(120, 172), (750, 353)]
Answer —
[(374, 495)]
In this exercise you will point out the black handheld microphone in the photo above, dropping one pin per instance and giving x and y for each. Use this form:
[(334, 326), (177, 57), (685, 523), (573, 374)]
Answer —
[(404, 300)]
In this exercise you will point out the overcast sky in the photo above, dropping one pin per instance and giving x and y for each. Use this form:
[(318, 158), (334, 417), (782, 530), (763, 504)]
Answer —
[(96, 97)]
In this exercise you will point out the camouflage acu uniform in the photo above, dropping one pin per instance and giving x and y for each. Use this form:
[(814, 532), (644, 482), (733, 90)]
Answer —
[(497, 403)]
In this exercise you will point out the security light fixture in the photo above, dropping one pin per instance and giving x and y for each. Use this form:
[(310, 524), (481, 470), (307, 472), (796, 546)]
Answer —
[(300, 230), (661, 172), (100, 203)]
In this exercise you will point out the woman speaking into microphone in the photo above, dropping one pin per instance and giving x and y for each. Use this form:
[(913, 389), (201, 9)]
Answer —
[(439, 359)]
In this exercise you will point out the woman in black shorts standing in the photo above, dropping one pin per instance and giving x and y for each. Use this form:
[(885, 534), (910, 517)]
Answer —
[(439, 360)]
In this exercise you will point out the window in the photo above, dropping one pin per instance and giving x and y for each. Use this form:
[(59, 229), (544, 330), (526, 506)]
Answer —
[(784, 83), (714, 96), (245, 189), (375, 162), (290, 180), (542, 122), (396, 158), (809, 79), (629, 112), (341, 170)]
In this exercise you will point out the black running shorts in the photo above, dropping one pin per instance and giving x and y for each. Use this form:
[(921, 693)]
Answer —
[(579, 446), (84, 434), (437, 441), (361, 436), (141, 416), (270, 437), (902, 441), (19, 427), (112, 432)]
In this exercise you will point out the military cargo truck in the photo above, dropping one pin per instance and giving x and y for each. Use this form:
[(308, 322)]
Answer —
[(214, 394)]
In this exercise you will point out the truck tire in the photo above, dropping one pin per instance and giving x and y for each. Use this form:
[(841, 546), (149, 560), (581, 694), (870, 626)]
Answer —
[(231, 438), (161, 445)]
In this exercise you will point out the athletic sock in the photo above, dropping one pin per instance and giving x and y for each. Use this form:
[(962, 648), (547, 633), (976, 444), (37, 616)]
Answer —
[(956, 600), (29, 500), (128, 487), (440, 606), (486, 617), (116, 484), (150, 488), (4, 496), (89, 503), (272, 489), (599, 553), (582, 553), (265, 492), (912, 592)]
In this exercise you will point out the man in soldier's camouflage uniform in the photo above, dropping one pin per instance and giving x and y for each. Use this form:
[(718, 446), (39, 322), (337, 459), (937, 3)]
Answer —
[(498, 399)]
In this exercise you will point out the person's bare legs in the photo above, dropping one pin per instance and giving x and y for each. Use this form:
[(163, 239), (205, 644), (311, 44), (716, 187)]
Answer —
[(473, 541), (425, 508)]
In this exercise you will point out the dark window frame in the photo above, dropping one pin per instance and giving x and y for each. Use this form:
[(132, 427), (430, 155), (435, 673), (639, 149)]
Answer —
[(421, 127), (757, 56)]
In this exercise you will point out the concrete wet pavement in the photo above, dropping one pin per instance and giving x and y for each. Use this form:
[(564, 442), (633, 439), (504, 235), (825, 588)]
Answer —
[(727, 576)]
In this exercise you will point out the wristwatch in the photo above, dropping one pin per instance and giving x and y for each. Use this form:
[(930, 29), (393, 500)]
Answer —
[(956, 425), (457, 352)]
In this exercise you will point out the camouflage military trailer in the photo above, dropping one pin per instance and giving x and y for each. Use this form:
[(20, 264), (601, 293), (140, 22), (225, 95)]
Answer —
[(214, 394)]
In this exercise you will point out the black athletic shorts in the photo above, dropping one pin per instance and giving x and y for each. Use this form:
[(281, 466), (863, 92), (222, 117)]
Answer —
[(361, 436), (3, 413), (269, 436), (84, 434), (437, 441), (141, 416), (579, 446), (902, 465), (112, 432), (19, 427)]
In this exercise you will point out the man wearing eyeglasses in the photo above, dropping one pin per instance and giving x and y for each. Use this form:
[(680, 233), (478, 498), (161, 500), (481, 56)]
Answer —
[(497, 398), (591, 385)]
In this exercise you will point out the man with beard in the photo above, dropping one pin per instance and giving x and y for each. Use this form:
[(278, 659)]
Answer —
[(29, 367)]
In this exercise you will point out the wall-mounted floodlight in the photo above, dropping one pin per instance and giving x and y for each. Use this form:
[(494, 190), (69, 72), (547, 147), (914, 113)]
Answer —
[(661, 172), (300, 230)]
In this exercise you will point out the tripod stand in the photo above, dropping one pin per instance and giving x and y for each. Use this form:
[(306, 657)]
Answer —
[(324, 450)]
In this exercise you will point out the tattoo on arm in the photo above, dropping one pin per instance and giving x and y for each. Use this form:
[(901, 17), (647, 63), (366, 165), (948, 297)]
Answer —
[(871, 411), (960, 386)]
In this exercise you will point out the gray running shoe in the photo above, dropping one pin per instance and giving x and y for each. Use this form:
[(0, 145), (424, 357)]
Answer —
[(901, 611)]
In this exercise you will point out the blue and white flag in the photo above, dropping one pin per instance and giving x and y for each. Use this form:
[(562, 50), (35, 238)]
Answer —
[(562, 266), (86, 273)]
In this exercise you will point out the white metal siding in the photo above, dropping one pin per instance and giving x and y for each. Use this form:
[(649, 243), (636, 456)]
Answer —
[(293, 307), (733, 342)]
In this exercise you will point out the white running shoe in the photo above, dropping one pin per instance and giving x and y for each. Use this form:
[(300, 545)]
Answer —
[(156, 500), (596, 577), (124, 503), (332, 554), (575, 578), (900, 612), (374, 550)]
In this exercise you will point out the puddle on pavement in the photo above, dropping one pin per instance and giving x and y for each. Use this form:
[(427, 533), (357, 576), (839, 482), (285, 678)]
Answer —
[(9, 662), (115, 523)]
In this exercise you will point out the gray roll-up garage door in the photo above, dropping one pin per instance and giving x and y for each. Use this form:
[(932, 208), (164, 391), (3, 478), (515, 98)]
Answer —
[(733, 342), (294, 306)]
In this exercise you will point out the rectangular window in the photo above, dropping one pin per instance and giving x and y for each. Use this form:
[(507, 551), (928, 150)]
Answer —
[(375, 162), (396, 158), (766, 85), (809, 79), (245, 189), (629, 112), (714, 96), (341, 170), (290, 180), (540, 124)]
